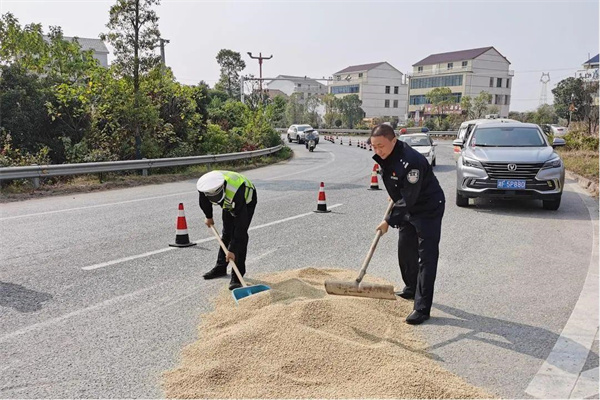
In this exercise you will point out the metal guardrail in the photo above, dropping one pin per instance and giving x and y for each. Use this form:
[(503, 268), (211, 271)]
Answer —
[(40, 171), (368, 131)]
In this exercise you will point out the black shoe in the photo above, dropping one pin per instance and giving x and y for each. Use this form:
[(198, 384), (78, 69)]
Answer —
[(234, 283), (406, 293), (216, 272), (416, 318)]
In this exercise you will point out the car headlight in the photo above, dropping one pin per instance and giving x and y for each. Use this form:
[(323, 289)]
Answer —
[(467, 162), (553, 163)]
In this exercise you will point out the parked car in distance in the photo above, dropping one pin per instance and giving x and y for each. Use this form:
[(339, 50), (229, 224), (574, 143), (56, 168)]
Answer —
[(296, 133), (554, 129), (466, 128), (422, 143), (509, 160)]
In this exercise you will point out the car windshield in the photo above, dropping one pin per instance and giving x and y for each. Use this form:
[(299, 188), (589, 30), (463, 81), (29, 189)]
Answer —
[(507, 137), (416, 141), (302, 128)]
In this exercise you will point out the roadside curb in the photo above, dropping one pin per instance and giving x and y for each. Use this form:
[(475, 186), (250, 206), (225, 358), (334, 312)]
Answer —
[(585, 183)]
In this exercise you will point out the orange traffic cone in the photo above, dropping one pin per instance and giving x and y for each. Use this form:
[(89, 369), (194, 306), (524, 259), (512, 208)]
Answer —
[(341, 141), (182, 238), (321, 202), (374, 180), (349, 141), (370, 147)]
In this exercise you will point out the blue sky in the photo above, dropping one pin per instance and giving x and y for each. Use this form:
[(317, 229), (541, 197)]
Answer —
[(318, 38)]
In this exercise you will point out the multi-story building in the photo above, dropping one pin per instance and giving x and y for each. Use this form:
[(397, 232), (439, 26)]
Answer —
[(100, 52), (589, 74), (381, 88), (297, 84), (466, 73)]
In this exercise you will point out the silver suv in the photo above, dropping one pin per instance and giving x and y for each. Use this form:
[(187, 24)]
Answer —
[(509, 160)]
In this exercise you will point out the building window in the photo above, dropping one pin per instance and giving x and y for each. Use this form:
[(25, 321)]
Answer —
[(299, 85), (360, 75), (417, 100), (507, 83), (491, 82), (338, 78), (498, 82), (498, 99), (387, 104), (450, 65), (387, 90), (396, 89), (507, 99), (419, 69), (490, 100), (345, 89), (437, 81), (395, 103), (465, 63)]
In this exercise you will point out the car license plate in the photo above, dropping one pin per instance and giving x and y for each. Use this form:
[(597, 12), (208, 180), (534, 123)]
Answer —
[(510, 184)]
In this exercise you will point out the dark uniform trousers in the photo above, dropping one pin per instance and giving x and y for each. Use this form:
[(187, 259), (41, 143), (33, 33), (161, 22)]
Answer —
[(418, 251), (227, 234)]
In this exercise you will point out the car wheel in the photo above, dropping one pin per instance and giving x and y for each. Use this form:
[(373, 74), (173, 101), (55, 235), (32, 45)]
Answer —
[(289, 139), (298, 139), (551, 204), (461, 201)]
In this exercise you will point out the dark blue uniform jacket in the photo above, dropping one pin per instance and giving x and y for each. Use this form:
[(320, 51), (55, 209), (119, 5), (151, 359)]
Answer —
[(410, 182)]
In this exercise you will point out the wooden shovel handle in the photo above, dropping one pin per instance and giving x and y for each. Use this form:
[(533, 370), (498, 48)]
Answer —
[(235, 268), (363, 269)]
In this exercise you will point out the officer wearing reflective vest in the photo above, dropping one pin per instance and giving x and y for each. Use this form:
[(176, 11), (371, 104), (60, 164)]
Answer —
[(418, 209), (236, 195)]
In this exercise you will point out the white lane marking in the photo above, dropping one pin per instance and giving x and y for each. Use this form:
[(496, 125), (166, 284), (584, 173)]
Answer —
[(304, 170), (150, 253), (94, 206), (56, 320), (559, 373)]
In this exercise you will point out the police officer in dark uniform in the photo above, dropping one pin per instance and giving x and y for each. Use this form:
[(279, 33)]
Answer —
[(236, 195), (418, 209)]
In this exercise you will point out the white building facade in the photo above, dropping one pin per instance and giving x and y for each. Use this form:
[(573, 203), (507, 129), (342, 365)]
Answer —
[(99, 50), (382, 89), (466, 73)]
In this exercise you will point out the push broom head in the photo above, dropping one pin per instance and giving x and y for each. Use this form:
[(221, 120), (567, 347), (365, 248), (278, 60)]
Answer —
[(362, 289)]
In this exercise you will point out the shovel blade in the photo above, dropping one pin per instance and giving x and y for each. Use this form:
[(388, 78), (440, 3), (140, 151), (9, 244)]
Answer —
[(246, 291), (363, 289)]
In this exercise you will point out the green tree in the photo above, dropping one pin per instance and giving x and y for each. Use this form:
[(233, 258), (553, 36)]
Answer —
[(24, 48), (294, 111), (579, 94), (466, 106), (440, 98), (277, 111), (231, 64), (350, 108), (134, 35), (312, 103), (480, 104)]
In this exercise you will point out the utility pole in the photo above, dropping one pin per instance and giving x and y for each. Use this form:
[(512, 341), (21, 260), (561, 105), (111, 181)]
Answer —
[(260, 59), (162, 49)]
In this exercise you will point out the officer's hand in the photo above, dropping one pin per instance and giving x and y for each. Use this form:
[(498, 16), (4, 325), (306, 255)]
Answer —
[(209, 222), (230, 256), (383, 227)]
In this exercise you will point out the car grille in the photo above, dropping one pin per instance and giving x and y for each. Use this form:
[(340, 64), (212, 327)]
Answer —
[(501, 171)]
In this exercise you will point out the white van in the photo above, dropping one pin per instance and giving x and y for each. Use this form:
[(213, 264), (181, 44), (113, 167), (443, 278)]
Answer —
[(467, 127)]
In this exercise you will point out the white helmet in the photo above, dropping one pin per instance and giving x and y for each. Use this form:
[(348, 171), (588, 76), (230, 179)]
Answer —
[(212, 185)]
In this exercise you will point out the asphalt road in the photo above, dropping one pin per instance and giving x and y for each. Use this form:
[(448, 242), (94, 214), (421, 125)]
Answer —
[(94, 304)]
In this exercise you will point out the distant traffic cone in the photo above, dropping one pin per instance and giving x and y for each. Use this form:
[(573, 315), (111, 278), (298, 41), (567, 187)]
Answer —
[(374, 180), (370, 147), (182, 238), (321, 202), (341, 141), (349, 141)]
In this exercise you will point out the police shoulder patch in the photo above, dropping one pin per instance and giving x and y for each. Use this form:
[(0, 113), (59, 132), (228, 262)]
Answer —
[(413, 176)]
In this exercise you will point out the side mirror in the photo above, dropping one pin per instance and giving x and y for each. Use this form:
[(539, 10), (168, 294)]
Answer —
[(458, 143), (558, 142)]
